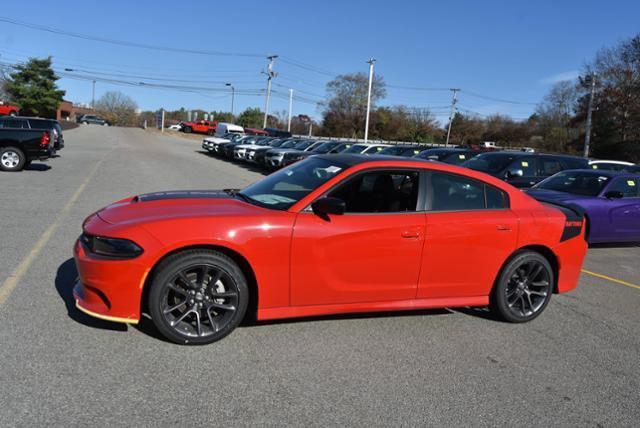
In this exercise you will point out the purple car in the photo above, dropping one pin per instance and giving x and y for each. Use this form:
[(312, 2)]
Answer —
[(610, 200)]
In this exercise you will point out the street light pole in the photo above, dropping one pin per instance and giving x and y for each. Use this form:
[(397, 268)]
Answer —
[(233, 95), (270, 75), (366, 123), (591, 79), (93, 96), (290, 106)]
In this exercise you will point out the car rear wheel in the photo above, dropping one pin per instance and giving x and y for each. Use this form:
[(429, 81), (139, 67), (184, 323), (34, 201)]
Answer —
[(524, 288), (198, 297), (12, 159), (187, 129)]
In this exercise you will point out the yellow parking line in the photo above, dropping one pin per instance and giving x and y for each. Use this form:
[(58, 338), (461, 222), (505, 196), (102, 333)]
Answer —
[(12, 281), (608, 278)]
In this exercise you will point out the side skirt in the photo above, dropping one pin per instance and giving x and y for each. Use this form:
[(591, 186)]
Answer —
[(346, 308)]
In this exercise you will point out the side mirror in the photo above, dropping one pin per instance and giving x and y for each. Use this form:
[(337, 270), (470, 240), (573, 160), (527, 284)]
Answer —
[(614, 194), (325, 206), (513, 173)]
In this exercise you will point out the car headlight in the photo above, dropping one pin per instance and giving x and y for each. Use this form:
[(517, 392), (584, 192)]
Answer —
[(110, 247)]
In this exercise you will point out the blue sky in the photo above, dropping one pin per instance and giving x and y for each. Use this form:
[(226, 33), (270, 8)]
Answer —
[(499, 49)]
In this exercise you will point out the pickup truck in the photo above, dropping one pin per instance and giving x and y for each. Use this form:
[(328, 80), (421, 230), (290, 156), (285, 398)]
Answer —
[(8, 109), (18, 147), (36, 123), (201, 127)]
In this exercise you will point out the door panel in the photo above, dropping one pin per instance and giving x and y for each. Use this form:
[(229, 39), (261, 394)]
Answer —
[(464, 251), (624, 213), (356, 258)]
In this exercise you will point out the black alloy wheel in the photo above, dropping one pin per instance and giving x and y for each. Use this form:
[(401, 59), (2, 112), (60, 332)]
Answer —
[(198, 297), (524, 287)]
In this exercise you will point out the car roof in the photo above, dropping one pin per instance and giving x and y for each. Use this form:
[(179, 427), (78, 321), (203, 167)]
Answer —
[(351, 159)]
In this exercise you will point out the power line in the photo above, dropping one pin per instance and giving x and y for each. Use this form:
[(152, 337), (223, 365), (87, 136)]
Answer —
[(121, 42)]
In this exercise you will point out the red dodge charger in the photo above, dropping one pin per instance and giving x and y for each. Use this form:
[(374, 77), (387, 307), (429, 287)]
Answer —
[(330, 234)]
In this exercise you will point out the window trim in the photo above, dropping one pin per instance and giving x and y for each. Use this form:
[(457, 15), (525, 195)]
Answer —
[(429, 197), (420, 204)]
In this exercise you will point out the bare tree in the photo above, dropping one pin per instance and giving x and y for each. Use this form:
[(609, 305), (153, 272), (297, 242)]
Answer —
[(118, 108)]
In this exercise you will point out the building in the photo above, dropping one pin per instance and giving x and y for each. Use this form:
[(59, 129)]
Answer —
[(69, 111)]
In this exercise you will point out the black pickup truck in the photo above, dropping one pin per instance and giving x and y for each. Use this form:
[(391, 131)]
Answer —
[(36, 123), (18, 147)]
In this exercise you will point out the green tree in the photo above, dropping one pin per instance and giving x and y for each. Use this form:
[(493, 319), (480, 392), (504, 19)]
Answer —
[(33, 87), (251, 118), (118, 108)]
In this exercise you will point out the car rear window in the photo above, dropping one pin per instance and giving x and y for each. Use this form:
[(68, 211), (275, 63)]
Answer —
[(451, 192)]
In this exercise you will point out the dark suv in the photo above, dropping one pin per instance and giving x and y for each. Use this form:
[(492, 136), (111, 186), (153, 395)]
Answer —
[(524, 169), (92, 119), (17, 122)]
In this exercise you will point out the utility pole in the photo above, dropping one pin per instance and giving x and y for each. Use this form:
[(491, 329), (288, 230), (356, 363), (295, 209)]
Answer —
[(590, 79), (233, 95), (366, 122), (270, 75), (290, 106), (93, 96), (454, 100)]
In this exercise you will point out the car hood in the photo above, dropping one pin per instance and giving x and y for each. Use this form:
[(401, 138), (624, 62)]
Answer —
[(552, 195), (216, 140), (248, 146), (284, 151), (160, 206)]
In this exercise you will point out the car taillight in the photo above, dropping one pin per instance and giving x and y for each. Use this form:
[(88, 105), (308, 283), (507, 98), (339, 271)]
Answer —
[(45, 140)]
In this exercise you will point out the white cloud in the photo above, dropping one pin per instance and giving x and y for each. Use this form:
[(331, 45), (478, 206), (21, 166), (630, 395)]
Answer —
[(560, 77)]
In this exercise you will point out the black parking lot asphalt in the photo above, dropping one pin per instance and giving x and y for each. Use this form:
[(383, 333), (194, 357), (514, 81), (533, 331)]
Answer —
[(577, 364)]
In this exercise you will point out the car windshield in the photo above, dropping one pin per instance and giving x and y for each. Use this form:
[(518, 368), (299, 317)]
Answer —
[(303, 145), (286, 187), (325, 147), (356, 148), (392, 151), (288, 144), (577, 183), (490, 162), (608, 166)]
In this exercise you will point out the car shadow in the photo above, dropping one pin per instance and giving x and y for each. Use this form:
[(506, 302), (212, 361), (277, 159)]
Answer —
[(65, 280), (251, 322), (38, 167), (615, 245)]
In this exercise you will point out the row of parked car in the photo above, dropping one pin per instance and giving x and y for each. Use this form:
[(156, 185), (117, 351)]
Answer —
[(24, 139), (521, 169)]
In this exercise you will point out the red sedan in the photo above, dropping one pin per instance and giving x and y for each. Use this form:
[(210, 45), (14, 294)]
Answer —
[(330, 234)]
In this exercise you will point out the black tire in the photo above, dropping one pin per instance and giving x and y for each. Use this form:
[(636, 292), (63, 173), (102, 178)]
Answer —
[(523, 289), (27, 163), (211, 132), (13, 114), (12, 159), (185, 303), (187, 129)]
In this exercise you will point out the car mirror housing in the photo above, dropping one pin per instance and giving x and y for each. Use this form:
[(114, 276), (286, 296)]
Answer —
[(614, 194), (325, 206), (513, 173)]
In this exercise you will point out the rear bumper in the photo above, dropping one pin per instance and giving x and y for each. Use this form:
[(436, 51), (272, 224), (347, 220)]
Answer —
[(570, 254)]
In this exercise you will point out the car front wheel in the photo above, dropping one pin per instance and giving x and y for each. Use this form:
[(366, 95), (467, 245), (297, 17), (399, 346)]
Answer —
[(524, 287), (12, 159), (198, 297)]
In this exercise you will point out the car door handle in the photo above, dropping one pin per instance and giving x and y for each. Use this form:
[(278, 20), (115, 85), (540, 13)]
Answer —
[(503, 228), (410, 234)]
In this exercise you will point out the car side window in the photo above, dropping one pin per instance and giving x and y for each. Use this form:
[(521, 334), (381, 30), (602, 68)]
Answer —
[(451, 192), (380, 192), (12, 123), (548, 167), (527, 165), (628, 187)]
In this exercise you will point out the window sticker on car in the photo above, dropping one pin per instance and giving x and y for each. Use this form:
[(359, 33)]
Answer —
[(631, 183), (594, 166), (524, 164), (460, 156), (415, 152)]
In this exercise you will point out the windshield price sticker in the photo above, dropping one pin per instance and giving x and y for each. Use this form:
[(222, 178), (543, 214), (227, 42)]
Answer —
[(525, 164), (460, 156), (631, 183)]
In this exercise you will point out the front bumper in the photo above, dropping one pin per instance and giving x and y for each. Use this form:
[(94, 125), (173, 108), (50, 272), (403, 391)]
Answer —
[(108, 289)]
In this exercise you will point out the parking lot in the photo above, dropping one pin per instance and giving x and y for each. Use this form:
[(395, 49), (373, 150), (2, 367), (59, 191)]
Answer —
[(577, 364)]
